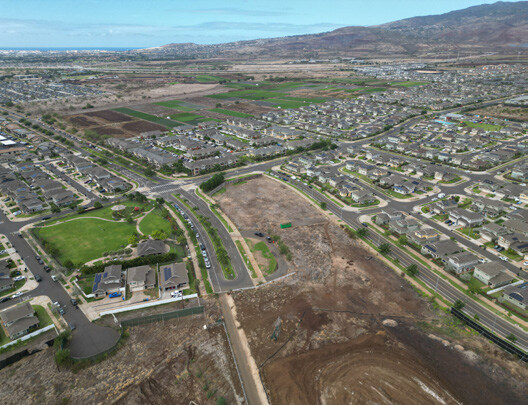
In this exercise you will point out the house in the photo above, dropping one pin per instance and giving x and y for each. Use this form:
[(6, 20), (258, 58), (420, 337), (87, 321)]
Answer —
[(61, 198), (442, 249), (6, 282), (404, 226), (493, 274), (18, 320), (491, 231), (462, 262), (424, 236), (151, 247), (488, 207), (141, 278), (173, 277), (443, 206), (516, 295), (31, 205), (362, 196), (463, 217), (108, 282)]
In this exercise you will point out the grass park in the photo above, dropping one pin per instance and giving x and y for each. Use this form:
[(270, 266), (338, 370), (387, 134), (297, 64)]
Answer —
[(84, 237)]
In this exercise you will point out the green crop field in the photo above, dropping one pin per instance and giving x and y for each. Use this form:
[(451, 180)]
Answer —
[(247, 94), (153, 222), (147, 117), (231, 113), (184, 117), (208, 78), (84, 239), (178, 105)]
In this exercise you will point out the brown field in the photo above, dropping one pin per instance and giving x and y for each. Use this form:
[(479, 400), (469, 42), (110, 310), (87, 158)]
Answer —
[(352, 331), (81, 121), (109, 130), (501, 111), (170, 362), (110, 116), (136, 127)]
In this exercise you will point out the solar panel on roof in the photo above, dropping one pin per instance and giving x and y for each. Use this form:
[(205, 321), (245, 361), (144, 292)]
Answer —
[(167, 273), (517, 296), (97, 278)]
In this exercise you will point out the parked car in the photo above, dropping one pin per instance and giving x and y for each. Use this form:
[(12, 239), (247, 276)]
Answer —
[(47, 269), (114, 295), (72, 326), (525, 263), (18, 294), (38, 278), (268, 239), (74, 302), (259, 234), (5, 299)]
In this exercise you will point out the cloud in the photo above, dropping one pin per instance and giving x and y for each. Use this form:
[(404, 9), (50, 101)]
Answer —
[(231, 11), (49, 33)]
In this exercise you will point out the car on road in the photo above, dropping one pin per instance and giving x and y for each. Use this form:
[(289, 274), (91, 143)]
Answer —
[(18, 294), (525, 263), (504, 258), (47, 269), (268, 239), (259, 234), (114, 295), (74, 302), (5, 299), (38, 278), (72, 326), (37, 257), (46, 217)]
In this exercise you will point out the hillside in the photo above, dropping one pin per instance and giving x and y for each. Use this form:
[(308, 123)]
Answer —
[(486, 28)]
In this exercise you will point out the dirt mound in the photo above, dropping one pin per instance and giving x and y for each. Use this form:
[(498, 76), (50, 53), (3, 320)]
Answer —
[(364, 370)]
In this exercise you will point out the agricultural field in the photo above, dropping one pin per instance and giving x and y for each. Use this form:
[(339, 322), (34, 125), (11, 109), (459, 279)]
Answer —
[(231, 113), (147, 117), (179, 105), (351, 329)]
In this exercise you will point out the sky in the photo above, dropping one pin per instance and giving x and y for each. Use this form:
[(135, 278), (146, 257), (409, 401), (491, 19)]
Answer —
[(150, 23)]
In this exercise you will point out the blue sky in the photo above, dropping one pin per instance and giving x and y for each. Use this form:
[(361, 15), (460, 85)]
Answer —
[(147, 23)]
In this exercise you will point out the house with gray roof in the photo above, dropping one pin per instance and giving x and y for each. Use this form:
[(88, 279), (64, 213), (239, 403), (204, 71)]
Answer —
[(493, 274), (109, 281), (173, 277), (17, 320), (516, 295), (141, 278)]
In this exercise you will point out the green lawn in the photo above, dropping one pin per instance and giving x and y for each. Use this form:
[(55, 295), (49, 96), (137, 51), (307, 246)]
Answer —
[(470, 232), (147, 117), (231, 113), (487, 127), (263, 248), (86, 239), (154, 222), (86, 283), (42, 315), (106, 212), (208, 78)]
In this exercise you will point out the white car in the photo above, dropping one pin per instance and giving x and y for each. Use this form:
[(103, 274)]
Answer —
[(177, 294), (18, 294), (19, 278), (525, 263), (504, 258)]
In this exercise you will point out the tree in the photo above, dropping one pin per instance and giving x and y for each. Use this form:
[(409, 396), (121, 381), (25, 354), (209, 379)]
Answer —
[(362, 232), (68, 264), (323, 205), (384, 248), (459, 304), (97, 205), (149, 172), (80, 210), (54, 208), (402, 240), (511, 337), (160, 201), (412, 270)]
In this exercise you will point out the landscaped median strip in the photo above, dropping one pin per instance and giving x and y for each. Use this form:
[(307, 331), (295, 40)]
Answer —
[(221, 252), (246, 258), (213, 209)]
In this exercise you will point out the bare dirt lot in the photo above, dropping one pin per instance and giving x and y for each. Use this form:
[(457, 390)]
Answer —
[(109, 116), (352, 331), (502, 111), (171, 362)]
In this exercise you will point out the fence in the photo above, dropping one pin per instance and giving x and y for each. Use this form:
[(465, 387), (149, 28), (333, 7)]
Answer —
[(146, 305), (28, 336), (163, 317), (503, 344)]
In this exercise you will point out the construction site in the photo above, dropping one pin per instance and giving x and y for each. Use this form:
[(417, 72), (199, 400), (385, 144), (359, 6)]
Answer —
[(345, 328)]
